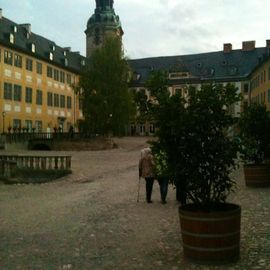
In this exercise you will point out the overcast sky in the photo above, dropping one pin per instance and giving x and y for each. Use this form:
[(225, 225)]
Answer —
[(152, 27)]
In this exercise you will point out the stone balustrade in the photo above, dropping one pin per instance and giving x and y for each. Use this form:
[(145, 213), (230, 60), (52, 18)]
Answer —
[(8, 168), (39, 162)]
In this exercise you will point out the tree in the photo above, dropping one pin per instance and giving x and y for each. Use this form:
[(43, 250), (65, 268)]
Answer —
[(255, 134), (107, 103), (193, 132)]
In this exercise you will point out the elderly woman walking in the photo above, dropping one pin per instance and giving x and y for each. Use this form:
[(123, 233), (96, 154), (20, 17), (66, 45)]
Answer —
[(146, 170)]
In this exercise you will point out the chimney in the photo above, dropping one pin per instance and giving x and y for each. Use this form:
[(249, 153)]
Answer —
[(27, 27), (227, 47), (248, 46), (67, 49), (1, 13), (268, 43)]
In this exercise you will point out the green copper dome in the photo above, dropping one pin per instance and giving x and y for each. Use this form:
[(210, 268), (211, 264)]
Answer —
[(104, 15)]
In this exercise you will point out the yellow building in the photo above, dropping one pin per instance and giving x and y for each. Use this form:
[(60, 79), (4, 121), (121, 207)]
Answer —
[(36, 78), (260, 84)]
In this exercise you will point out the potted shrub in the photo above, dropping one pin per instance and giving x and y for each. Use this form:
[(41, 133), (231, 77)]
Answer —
[(201, 156), (254, 127)]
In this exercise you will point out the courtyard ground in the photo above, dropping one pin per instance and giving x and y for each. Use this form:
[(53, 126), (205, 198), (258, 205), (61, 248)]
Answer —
[(90, 220)]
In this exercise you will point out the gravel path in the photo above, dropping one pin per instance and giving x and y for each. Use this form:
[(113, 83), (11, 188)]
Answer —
[(90, 220)]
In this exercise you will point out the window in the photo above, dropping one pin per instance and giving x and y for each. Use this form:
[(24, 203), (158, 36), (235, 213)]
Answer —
[(29, 64), (11, 38), (49, 72), (49, 99), (33, 47), (39, 97), (62, 101), (8, 91), (17, 123), (80, 103), (178, 75), (69, 102), (51, 56), (69, 79), (8, 57), (62, 76), (17, 95), (56, 74), (28, 94), (152, 128), (269, 96), (246, 88), (17, 60), (38, 126), (178, 91), (56, 100), (28, 124), (39, 68)]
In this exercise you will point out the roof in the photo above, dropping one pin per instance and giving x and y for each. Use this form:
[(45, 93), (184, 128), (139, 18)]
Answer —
[(43, 46), (213, 66)]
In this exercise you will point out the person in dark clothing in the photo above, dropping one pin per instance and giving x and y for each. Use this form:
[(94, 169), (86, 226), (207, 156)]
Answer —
[(71, 131), (163, 186), (146, 170)]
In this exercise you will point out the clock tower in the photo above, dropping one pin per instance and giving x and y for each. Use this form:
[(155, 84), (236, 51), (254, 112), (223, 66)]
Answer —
[(102, 24)]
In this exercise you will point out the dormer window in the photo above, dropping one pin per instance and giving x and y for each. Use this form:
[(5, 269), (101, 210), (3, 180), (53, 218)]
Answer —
[(11, 38), (53, 48), (66, 62), (83, 62), (178, 75), (51, 56), (65, 53), (15, 29), (33, 48)]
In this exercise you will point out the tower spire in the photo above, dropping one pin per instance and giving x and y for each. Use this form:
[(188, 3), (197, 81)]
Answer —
[(104, 4), (102, 24)]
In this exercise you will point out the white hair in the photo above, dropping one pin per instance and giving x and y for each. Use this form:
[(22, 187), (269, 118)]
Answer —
[(145, 151)]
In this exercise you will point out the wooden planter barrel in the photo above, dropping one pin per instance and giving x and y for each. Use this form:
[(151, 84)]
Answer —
[(211, 237), (257, 175)]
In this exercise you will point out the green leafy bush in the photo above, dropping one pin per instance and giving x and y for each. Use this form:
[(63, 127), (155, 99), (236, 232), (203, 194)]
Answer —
[(254, 127), (194, 134)]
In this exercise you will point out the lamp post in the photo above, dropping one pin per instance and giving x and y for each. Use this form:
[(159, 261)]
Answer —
[(3, 114)]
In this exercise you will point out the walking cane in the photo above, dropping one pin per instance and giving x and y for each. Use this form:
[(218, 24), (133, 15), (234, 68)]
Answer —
[(139, 184)]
